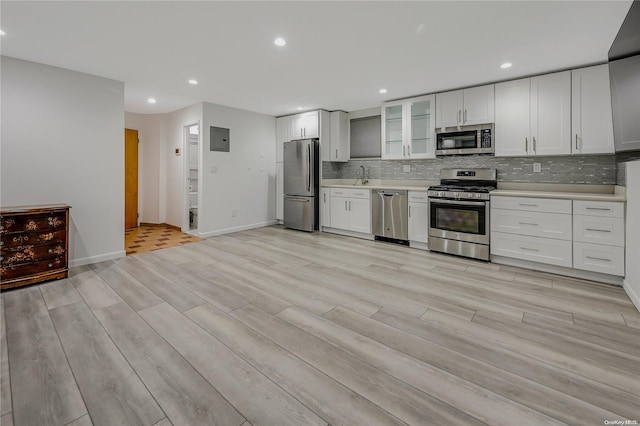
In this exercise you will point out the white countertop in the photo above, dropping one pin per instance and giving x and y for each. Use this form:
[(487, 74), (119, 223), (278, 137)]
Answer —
[(561, 191), (583, 196)]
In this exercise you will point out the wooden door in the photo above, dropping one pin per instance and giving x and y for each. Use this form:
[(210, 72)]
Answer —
[(130, 178)]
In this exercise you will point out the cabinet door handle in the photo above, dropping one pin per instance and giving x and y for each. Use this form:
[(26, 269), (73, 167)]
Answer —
[(409, 150), (598, 230), (527, 204), (606, 209), (404, 151), (349, 205), (599, 258), (528, 223), (527, 248), (336, 154), (345, 205), (576, 141), (526, 144), (409, 211), (465, 115), (459, 111), (534, 144), (325, 197)]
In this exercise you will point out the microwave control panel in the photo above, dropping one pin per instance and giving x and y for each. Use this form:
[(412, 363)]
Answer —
[(485, 138)]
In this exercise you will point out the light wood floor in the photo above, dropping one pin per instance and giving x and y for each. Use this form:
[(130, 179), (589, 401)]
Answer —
[(277, 327)]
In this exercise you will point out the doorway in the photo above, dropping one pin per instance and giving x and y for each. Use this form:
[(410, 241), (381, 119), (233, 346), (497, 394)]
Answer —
[(192, 149), (130, 178)]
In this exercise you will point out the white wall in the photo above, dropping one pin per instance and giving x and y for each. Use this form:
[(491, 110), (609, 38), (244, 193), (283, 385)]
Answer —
[(242, 179), (632, 277), (63, 142), (149, 127)]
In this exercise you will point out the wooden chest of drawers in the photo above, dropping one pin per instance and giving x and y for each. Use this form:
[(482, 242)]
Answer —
[(34, 244)]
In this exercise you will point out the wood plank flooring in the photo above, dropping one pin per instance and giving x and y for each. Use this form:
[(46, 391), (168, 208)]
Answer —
[(277, 327)]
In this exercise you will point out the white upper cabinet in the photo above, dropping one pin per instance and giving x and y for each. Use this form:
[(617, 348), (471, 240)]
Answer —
[(533, 116), (479, 105), (283, 125), (338, 148), (591, 117), (408, 128), (513, 118), (465, 107), (551, 114), (305, 126), (449, 107)]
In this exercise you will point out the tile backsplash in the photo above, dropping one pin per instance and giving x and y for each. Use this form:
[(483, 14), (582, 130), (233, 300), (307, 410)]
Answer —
[(575, 169)]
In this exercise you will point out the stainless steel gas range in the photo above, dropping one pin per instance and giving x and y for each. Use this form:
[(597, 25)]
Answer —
[(459, 212)]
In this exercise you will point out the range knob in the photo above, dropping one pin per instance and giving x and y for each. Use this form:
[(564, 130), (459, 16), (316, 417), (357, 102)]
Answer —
[(469, 195), (478, 195), (456, 194)]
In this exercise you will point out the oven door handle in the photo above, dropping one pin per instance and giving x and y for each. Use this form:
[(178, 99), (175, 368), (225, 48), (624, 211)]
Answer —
[(457, 203)]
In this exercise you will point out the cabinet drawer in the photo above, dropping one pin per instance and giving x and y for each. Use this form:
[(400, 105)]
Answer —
[(32, 238), (359, 193), (417, 197), (45, 265), (598, 258), (339, 192), (535, 224), (26, 223), (598, 208), (599, 230), (535, 249), (532, 204), (30, 253)]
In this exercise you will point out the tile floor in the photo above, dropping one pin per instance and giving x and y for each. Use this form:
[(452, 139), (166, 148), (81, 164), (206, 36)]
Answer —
[(148, 238)]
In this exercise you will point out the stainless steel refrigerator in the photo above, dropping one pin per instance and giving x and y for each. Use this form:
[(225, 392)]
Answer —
[(301, 184)]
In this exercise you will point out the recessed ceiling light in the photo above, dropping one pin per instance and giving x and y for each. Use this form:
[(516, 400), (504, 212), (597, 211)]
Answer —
[(506, 65), (383, 91), (279, 42), (192, 81), (152, 100), (300, 108), (2, 32)]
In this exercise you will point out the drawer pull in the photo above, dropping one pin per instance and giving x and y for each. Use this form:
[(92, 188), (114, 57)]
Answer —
[(50, 265), (599, 258), (50, 251), (606, 209), (527, 204), (527, 223), (527, 248), (598, 230)]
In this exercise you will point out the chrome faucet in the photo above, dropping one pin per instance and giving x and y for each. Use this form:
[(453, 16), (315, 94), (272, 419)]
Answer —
[(363, 180)]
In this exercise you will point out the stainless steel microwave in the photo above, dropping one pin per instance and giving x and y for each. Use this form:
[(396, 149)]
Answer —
[(466, 140)]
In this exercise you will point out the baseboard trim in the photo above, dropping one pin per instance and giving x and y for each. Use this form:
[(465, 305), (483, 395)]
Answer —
[(635, 297), (96, 259), (236, 229), (559, 270), (348, 233), (419, 245)]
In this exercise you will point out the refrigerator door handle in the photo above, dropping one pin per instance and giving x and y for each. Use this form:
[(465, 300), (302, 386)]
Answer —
[(308, 167)]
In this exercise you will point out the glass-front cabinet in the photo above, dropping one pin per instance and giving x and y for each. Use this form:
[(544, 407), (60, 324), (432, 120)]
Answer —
[(408, 128)]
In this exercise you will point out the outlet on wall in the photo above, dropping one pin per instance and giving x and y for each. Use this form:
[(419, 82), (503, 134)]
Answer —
[(537, 168), (406, 168)]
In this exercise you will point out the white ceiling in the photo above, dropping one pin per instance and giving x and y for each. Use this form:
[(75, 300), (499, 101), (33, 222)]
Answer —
[(338, 54)]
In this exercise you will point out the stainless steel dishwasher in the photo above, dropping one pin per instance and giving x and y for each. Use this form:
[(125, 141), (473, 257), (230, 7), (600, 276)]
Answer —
[(389, 215)]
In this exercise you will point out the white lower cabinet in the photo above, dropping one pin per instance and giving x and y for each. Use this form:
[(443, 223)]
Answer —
[(351, 209), (586, 235), (598, 258), (418, 219), (535, 249), (598, 235), (325, 207)]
